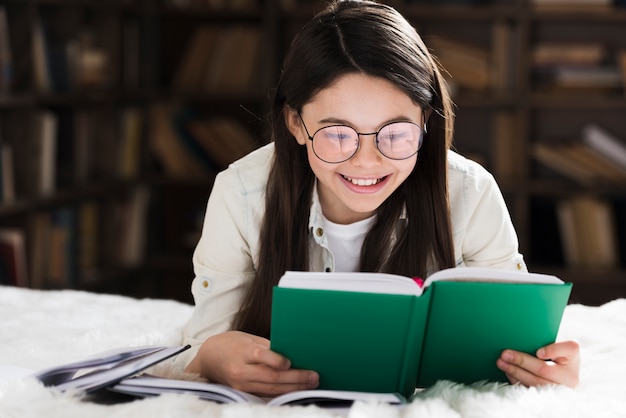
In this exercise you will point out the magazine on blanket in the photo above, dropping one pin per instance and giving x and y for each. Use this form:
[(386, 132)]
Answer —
[(105, 369), (147, 385)]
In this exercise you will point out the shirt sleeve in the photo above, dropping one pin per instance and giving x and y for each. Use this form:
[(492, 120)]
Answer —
[(222, 264), (483, 231)]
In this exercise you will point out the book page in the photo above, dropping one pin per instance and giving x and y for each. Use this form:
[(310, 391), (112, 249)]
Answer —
[(334, 398), (352, 282), (63, 373), (107, 374), (480, 274), (147, 385)]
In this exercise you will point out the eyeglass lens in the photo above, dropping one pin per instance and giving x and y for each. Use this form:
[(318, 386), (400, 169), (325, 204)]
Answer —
[(398, 140)]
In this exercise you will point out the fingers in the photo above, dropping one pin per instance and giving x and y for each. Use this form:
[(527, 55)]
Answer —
[(555, 364), (522, 368), (261, 354), (271, 382), (270, 373), (245, 362), (561, 352)]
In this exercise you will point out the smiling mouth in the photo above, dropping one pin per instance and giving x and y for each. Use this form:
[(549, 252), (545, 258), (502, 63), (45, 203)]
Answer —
[(363, 182)]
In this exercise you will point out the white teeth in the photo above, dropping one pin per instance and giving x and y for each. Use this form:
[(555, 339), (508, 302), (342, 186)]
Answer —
[(362, 182)]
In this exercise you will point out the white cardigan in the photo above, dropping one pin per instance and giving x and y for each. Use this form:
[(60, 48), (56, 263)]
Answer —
[(226, 256)]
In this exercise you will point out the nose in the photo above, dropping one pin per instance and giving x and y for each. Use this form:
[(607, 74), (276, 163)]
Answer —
[(368, 153)]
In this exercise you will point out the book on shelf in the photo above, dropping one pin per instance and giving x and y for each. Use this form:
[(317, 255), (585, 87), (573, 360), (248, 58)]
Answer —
[(376, 332), (132, 227), (600, 77), (571, 65), (170, 151), (588, 233), (41, 70), (503, 67), (106, 144), (39, 228), (224, 140), (621, 60), (7, 177), (468, 65), (6, 54), (547, 54), (196, 58), (88, 248), (147, 385), (596, 157), (572, 5), (131, 54), (13, 266), (32, 137), (619, 211), (219, 60), (214, 5), (234, 61), (605, 143), (122, 238), (69, 246), (59, 270), (181, 120), (132, 121), (507, 146), (19, 22), (579, 162)]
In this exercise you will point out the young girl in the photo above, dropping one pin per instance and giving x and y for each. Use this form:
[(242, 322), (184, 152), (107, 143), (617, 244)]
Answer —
[(358, 177)]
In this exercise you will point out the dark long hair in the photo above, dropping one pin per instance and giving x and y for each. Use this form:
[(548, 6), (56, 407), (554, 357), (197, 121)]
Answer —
[(353, 36)]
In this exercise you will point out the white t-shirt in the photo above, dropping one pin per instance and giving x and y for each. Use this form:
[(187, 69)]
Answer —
[(345, 242)]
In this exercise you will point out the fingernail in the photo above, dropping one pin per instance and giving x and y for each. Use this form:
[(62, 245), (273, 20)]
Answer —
[(541, 353), (507, 356), (314, 378)]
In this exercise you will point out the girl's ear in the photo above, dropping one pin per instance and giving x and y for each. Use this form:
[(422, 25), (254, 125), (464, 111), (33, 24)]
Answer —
[(427, 112), (294, 124)]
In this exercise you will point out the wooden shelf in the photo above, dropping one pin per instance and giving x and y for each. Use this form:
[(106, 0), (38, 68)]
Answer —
[(165, 32)]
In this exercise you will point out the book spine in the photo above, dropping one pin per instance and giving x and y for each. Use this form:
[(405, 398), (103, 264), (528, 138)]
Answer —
[(414, 342), (605, 143)]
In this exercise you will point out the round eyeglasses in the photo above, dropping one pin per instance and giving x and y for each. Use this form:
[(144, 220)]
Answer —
[(338, 143)]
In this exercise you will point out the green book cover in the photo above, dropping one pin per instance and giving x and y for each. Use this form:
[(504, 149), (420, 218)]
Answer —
[(378, 341), (470, 323), (356, 341)]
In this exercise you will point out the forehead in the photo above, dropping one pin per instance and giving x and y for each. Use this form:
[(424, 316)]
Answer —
[(363, 100)]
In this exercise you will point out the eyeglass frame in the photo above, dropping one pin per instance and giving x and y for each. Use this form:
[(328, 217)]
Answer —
[(423, 131)]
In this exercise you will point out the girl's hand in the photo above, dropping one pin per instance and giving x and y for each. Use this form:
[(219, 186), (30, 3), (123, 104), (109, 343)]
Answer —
[(557, 363), (245, 362)]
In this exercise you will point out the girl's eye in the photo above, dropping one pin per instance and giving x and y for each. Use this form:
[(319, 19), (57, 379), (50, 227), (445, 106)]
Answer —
[(337, 134)]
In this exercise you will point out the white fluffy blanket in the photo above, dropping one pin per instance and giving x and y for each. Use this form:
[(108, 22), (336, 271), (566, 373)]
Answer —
[(39, 329)]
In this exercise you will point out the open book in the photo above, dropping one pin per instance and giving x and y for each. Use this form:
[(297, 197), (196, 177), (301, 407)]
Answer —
[(147, 385), (105, 369), (377, 332), (120, 371)]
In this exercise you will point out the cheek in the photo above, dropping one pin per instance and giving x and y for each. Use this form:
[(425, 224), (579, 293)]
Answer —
[(405, 167), (317, 166), (323, 171)]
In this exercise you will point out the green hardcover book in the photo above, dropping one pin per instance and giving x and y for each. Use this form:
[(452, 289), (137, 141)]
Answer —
[(375, 332)]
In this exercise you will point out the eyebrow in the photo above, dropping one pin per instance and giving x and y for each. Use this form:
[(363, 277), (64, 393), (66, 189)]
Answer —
[(338, 121)]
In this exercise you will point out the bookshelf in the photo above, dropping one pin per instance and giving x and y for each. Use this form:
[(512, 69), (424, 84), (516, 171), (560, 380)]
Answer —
[(133, 94)]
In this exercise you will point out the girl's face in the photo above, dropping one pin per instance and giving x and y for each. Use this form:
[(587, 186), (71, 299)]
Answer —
[(352, 190)]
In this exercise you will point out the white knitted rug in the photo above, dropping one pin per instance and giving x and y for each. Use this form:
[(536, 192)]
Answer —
[(40, 329)]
